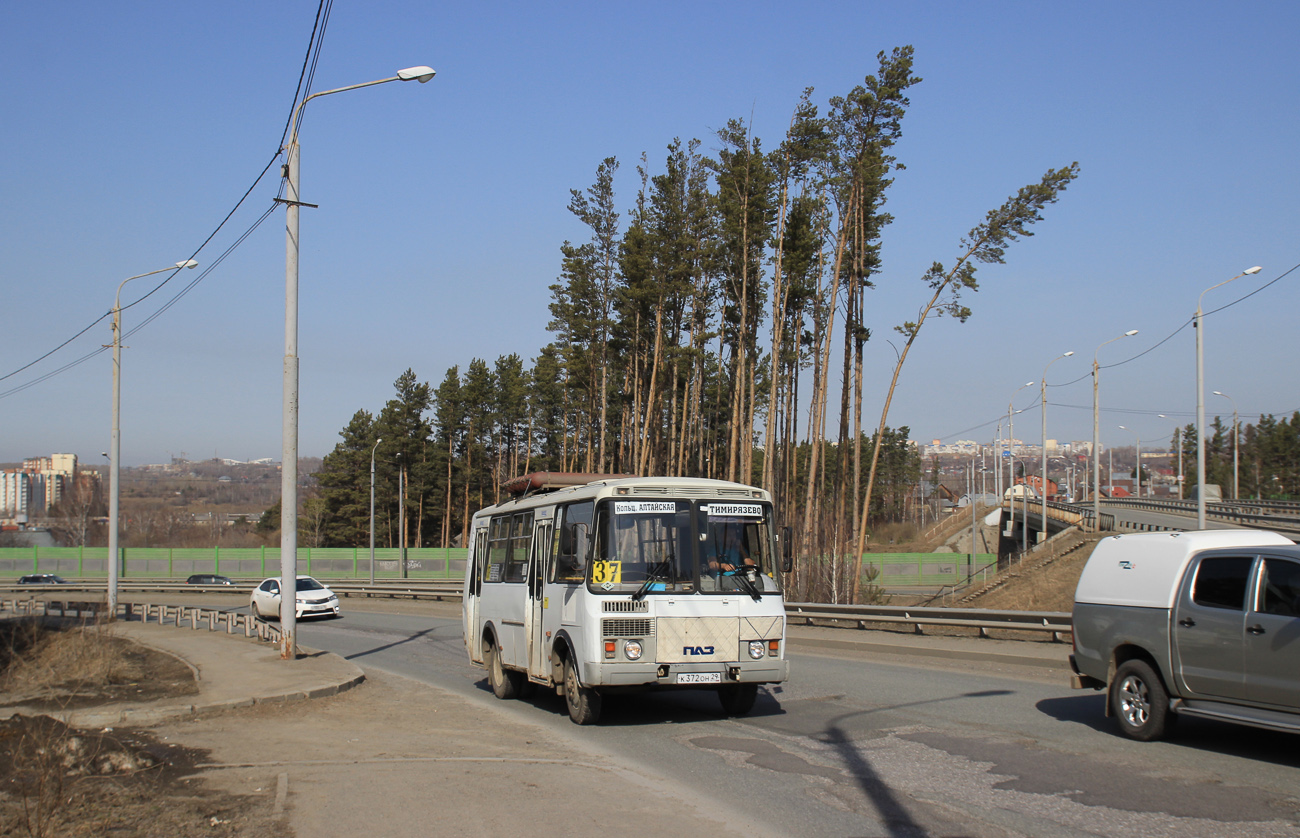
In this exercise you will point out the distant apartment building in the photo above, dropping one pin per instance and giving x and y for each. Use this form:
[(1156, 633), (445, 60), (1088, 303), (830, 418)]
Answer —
[(961, 446), (15, 495), (37, 487)]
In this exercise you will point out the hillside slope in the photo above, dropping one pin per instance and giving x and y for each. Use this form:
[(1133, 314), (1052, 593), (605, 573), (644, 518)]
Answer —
[(1043, 583)]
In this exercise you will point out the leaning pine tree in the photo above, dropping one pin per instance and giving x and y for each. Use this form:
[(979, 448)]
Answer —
[(986, 243)]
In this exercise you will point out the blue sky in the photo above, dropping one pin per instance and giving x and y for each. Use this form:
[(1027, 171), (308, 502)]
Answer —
[(131, 130)]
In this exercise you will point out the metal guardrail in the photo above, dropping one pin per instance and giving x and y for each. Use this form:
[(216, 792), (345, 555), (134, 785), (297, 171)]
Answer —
[(1056, 622), (983, 620), (1280, 516), (196, 617)]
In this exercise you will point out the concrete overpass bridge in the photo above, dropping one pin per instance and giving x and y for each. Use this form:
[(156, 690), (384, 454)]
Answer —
[(1022, 519)]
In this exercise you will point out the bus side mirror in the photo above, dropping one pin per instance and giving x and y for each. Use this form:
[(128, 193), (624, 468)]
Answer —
[(787, 550), (581, 546)]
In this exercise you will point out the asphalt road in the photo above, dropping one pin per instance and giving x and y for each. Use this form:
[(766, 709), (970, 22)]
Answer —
[(870, 744)]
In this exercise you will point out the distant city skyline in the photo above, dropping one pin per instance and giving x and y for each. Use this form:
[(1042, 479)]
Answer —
[(442, 207)]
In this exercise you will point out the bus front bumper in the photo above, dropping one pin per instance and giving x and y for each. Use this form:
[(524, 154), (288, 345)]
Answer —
[(685, 675)]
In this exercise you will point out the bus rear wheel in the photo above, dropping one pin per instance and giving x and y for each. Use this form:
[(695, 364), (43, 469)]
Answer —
[(583, 702), (737, 699), (505, 683)]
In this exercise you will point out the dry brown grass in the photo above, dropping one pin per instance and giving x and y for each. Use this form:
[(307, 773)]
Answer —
[(52, 667), (55, 661), (1049, 588), (60, 780)]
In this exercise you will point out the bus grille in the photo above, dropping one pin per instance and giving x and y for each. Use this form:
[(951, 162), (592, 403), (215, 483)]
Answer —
[(627, 628), (625, 606)]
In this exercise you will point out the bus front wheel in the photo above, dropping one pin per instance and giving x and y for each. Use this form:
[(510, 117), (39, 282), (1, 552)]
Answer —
[(583, 702), (737, 699)]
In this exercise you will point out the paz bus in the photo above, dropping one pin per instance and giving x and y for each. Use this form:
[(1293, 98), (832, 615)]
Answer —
[(593, 585)]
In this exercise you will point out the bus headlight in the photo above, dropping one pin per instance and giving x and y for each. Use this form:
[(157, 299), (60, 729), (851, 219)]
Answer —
[(756, 649), (632, 649)]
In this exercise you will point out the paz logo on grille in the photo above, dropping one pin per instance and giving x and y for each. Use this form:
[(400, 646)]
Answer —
[(697, 650)]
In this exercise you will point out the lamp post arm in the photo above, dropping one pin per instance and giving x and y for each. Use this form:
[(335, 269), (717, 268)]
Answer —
[(293, 136)]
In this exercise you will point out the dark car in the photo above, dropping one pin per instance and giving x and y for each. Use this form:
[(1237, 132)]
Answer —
[(209, 579), (42, 579)]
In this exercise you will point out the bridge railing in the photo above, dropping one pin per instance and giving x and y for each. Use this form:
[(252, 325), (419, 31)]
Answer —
[(1071, 514), (1282, 516)]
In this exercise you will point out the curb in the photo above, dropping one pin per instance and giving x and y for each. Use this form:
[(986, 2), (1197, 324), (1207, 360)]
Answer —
[(151, 714), (145, 716)]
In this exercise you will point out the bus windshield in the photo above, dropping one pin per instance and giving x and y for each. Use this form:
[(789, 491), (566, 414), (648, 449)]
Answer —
[(661, 546)]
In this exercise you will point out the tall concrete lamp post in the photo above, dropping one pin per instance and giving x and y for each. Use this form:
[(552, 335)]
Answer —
[(1096, 436), (1236, 435), (1011, 478), (289, 466), (1042, 397), (1200, 397), (1178, 446), (372, 511), (115, 446)]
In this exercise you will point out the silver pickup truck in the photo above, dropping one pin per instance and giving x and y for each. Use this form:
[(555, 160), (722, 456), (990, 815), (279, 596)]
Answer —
[(1194, 623)]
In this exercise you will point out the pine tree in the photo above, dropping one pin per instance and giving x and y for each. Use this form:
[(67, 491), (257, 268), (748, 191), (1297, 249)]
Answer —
[(346, 514)]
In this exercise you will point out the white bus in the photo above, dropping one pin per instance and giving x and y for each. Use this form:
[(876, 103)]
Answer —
[(593, 585)]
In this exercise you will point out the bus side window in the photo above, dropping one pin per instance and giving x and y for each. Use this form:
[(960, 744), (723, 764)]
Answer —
[(498, 544), (521, 537)]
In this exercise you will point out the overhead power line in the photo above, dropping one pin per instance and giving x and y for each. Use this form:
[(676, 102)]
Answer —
[(305, 75)]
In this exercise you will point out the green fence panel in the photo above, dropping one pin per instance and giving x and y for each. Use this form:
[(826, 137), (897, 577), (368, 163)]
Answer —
[(241, 562)]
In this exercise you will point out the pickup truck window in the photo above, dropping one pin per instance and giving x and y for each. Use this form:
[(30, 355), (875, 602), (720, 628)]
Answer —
[(1281, 588), (1221, 582)]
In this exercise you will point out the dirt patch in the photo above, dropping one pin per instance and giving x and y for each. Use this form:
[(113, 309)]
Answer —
[(60, 780), (55, 666)]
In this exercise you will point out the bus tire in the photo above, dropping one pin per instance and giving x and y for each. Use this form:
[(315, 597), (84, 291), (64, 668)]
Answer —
[(583, 702), (504, 682), (737, 699)]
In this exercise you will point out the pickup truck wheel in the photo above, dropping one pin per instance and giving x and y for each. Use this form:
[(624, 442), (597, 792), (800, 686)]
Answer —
[(1140, 701)]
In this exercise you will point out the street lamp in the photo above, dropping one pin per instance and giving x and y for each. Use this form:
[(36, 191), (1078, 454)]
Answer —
[(1096, 435), (1178, 446), (401, 512), (1236, 434), (289, 454), (1137, 456), (1011, 480), (1042, 397), (1200, 398), (115, 447), (372, 511)]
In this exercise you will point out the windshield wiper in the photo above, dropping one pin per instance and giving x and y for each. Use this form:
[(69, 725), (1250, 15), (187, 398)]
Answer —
[(741, 575), (653, 576)]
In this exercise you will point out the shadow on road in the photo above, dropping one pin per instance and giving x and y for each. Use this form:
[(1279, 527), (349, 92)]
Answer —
[(1187, 732), (417, 636)]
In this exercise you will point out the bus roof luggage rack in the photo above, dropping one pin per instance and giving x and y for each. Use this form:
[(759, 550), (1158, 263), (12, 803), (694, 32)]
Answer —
[(549, 481)]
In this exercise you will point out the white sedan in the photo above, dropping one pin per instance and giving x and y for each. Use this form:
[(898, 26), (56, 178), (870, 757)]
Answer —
[(313, 599)]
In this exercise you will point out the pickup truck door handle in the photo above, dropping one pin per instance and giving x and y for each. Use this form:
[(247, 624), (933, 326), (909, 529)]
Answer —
[(1256, 630), (1187, 621)]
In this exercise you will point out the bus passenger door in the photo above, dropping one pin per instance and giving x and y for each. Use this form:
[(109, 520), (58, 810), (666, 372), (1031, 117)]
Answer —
[(473, 593), (538, 571)]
